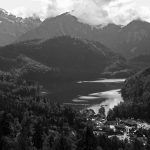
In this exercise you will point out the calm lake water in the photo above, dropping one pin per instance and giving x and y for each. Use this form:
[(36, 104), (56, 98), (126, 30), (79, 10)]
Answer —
[(88, 94)]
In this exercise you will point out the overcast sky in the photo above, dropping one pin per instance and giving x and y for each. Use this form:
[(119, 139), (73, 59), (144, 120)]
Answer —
[(93, 12)]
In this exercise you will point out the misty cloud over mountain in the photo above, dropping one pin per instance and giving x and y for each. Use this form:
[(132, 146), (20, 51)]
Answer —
[(93, 12)]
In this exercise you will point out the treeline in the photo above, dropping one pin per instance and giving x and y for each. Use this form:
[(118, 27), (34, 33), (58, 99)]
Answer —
[(29, 121), (136, 94), (137, 88), (130, 110)]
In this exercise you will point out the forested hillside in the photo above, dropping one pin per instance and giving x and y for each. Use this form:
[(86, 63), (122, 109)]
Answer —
[(64, 57), (30, 121), (137, 87), (136, 94), (129, 40)]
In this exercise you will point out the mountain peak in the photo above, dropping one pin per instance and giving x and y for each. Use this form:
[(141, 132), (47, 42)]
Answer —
[(138, 23), (3, 11), (65, 14), (11, 27), (65, 17), (112, 27)]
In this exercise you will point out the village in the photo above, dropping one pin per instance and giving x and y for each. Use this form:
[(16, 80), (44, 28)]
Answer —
[(124, 129)]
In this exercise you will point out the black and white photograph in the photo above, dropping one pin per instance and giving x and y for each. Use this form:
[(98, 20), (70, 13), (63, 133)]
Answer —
[(74, 74)]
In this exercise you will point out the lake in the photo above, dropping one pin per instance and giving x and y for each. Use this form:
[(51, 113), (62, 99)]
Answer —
[(88, 94)]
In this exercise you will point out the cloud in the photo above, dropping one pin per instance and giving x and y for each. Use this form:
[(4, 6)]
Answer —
[(124, 11), (24, 12), (93, 12)]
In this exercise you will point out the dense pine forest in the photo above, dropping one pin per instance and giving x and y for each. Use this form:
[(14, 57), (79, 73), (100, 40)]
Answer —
[(31, 121), (136, 93)]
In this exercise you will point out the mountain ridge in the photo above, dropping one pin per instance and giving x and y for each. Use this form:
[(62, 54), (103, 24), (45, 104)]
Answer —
[(12, 27), (127, 40), (130, 40), (70, 57)]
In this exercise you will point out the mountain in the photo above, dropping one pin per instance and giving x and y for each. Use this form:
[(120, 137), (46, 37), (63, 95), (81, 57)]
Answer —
[(140, 62), (66, 24), (21, 64), (71, 58), (11, 27), (130, 40), (135, 39)]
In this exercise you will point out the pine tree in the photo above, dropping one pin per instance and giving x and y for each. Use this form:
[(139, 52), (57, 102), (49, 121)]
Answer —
[(38, 136)]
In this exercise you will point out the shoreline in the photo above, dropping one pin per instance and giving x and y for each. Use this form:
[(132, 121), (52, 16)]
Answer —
[(103, 81), (108, 99), (112, 99)]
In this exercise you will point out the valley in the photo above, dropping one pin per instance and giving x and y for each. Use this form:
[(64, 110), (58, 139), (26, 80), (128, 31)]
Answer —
[(85, 94), (68, 85)]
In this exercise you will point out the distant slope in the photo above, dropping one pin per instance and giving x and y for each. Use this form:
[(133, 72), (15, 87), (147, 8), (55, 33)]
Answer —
[(130, 40), (11, 27), (135, 39), (141, 61), (71, 57), (68, 25), (21, 64), (25, 67)]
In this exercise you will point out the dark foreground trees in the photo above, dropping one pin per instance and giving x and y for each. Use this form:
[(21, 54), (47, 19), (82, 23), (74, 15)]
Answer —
[(29, 121)]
